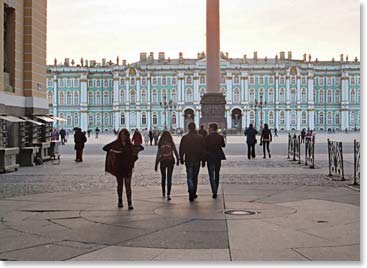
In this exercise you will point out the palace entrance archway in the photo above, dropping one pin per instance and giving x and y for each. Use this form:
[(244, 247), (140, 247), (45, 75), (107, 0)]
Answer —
[(237, 120), (189, 117)]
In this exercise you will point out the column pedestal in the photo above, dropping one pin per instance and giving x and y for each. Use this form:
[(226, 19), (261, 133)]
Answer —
[(213, 110)]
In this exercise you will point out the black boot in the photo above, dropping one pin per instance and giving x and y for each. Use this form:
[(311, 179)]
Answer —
[(119, 196)]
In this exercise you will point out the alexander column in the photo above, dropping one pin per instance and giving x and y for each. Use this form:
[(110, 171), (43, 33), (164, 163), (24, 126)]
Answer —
[(213, 102)]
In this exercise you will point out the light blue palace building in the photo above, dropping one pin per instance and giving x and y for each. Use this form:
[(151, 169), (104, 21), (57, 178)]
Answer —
[(286, 93)]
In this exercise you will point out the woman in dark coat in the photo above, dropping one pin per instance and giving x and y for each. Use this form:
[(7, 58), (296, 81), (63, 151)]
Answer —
[(120, 162), (266, 139), (251, 133), (79, 139)]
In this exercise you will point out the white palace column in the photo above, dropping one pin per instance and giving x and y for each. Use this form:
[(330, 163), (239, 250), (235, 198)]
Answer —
[(127, 95), (311, 103), (345, 102), (277, 100), (196, 89), (149, 93), (180, 88), (245, 97), (149, 118), (242, 98), (229, 117), (229, 85), (83, 103), (288, 109), (54, 100), (127, 118), (179, 118), (298, 103), (138, 118), (138, 90), (197, 118), (116, 101)]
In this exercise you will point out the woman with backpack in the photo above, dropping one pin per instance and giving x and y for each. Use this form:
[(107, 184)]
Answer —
[(166, 149), (266, 139)]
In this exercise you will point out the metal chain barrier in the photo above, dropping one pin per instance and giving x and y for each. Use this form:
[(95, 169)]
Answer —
[(336, 165), (357, 171)]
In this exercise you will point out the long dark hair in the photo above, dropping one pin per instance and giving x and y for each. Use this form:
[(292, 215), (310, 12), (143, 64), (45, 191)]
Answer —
[(166, 138), (126, 133)]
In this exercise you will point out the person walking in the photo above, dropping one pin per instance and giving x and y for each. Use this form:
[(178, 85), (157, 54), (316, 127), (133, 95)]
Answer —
[(62, 135), (79, 139), (214, 144), (303, 135), (120, 162), (155, 136), (192, 152), (146, 136), (203, 132), (275, 132), (55, 134), (166, 150), (88, 132), (137, 138), (97, 132), (224, 133), (251, 133), (151, 136), (266, 139)]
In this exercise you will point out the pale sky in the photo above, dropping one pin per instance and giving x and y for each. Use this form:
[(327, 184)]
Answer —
[(96, 29)]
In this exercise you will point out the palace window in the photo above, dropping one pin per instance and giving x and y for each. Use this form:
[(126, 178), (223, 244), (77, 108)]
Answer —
[(293, 80), (202, 79), (236, 96), (352, 119), (337, 81), (329, 96), (61, 83), (321, 96), (132, 81), (337, 119), (76, 120), (252, 80), (271, 95), (252, 118), (143, 82), (62, 116), (303, 81), (358, 96), (188, 80), (122, 119), (202, 92), (352, 96), (252, 95), (271, 118), (106, 98), (49, 97), (105, 83), (98, 83), (154, 81), (222, 79), (90, 83), (155, 119), (281, 118), (90, 98), (90, 120), (68, 120), (281, 95), (143, 119), (164, 81), (321, 118), (293, 96), (189, 95), (98, 119), (282, 80), (329, 81), (223, 91), (76, 98), (164, 95), (304, 95), (329, 119), (106, 120), (76, 83), (133, 96), (271, 80), (321, 81), (236, 80), (261, 80), (122, 82), (155, 97), (98, 98), (304, 118), (293, 119), (68, 83), (173, 95), (352, 81), (173, 119), (122, 96), (174, 81), (144, 96), (68, 98), (49, 82)]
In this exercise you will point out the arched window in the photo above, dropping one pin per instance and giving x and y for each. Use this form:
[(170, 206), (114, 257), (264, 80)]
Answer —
[(236, 96), (271, 118), (304, 118), (352, 119), (337, 96), (90, 120), (68, 98), (321, 118), (281, 95), (329, 96), (98, 98), (106, 119), (329, 119), (358, 96), (293, 96), (164, 81), (106, 98), (122, 96), (202, 92), (189, 80), (76, 120), (98, 119), (143, 118), (282, 121), (271, 96), (189, 95), (49, 97), (173, 119), (352, 96), (76, 98), (122, 119), (202, 79), (337, 119), (144, 96), (252, 118), (321, 96), (293, 119), (132, 81), (133, 96), (164, 95), (261, 94), (90, 98), (76, 83), (62, 116), (155, 119), (68, 120), (155, 97), (252, 95), (304, 95), (174, 95)]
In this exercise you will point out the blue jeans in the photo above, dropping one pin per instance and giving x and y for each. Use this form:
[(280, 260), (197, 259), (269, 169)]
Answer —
[(213, 170), (192, 170)]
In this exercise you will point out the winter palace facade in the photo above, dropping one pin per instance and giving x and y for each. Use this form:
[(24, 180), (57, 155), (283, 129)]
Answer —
[(287, 94)]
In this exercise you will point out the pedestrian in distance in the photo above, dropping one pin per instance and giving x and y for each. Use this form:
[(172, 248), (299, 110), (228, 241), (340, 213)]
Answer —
[(120, 161), (88, 132), (55, 134), (303, 135), (166, 160), (151, 136), (203, 132), (266, 139), (79, 139), (192, 153), (275, 132), (214, 144), (146, 136), (251, 141), (63, 136), (137, 138), (155, 136), (224, 133), (97, 132)]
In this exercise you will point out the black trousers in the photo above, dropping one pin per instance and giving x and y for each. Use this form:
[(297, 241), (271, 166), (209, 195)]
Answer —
[(166, 173), (251, 150), (266, 146)]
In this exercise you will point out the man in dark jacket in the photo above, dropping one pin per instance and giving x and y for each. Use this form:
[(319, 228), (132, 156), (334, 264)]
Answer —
[(63, 135), (203, 132), (79, 139), (214, 144), (192, 152), (251, 133)]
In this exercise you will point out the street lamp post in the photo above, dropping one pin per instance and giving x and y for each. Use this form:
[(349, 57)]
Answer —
[(167, 105), (259, 104)]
